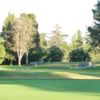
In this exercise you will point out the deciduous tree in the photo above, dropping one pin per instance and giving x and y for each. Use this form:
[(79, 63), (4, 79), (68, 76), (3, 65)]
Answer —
[(2, 50), (22, 31), (20, 34)]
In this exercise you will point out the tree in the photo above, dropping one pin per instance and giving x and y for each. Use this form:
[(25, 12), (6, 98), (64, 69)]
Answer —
[(77, 40), (55, 54), (79, 55), (94, 36), (43, 46), (76, 47), (94, 33), (2, 50), (57, 38), (40, 53), (6, 31), (7, 35), (36, 39), (43, 41), (9, 58), (22, 31), (24, 25)]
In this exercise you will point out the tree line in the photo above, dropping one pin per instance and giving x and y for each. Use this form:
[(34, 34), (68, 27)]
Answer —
[(21, 42)]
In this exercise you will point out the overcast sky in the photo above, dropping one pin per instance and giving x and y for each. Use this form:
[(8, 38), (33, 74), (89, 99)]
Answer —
[(71, 15)]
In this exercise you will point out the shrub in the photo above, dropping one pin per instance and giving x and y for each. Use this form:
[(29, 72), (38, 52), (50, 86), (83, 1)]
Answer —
[(79, 55)]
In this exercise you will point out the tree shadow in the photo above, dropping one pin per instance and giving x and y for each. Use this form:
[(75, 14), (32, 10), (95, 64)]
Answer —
[(57, 85), (92, 71), (49, 81)]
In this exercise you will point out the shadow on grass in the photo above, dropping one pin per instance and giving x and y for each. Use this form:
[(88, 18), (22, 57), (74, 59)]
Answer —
[(88, 86), (46, 73), (29, 75), (92, 71), (48, 81)]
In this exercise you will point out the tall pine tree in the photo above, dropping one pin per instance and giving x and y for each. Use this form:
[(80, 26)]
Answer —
[(95, 29)]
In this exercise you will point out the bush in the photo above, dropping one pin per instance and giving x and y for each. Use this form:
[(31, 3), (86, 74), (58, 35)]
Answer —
[(79, 55), (55, 54)]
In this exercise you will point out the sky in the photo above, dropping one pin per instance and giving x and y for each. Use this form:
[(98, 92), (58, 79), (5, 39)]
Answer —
[(71, 15)]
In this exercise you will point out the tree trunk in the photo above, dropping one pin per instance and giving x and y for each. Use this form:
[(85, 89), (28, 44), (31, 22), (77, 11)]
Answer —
[(10, 62), (27, 58), (19, 60)]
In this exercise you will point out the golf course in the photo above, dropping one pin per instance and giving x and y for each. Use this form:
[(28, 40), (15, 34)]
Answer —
[(50, 81), (50, 50)]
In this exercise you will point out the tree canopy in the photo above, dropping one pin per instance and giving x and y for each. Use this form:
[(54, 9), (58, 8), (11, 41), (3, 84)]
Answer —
[(20, 33), (2, 50), (94, 36)]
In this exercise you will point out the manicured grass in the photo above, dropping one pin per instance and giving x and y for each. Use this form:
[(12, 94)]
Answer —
[(49, 71), (49, 89), (49, 82)]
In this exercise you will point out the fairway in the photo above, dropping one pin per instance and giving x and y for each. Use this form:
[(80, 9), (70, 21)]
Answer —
[(56, 81), (49, 71), (49, 89)]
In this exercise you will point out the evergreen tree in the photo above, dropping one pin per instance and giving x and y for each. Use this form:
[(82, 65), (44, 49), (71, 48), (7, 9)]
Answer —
[(77, 40), (6, 31), (57, 38), (58, 41), (94, 36)]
